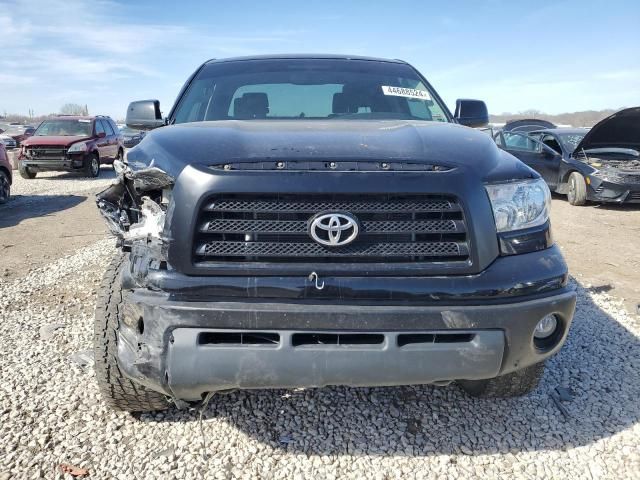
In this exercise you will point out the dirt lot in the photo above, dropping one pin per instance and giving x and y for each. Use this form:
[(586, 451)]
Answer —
[(49, 217), (602, 247), (54, 251)]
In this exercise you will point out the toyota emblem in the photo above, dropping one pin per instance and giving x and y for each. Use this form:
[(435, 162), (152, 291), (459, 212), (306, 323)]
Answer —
[(334, 229)]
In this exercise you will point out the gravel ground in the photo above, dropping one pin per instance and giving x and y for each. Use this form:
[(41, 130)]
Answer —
[(60, 183), (51, 413)]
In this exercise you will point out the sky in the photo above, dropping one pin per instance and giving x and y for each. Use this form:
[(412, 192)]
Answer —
[(552, 56)]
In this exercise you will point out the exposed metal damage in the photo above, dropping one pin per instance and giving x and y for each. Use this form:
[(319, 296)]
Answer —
[(135, 208), (615, 169)]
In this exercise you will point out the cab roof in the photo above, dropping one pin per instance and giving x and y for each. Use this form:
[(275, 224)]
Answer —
[(79, 117), (309, 56)]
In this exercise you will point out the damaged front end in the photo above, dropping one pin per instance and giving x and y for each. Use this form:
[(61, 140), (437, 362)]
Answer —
[(611, 148), (136, 207), (613, 179)]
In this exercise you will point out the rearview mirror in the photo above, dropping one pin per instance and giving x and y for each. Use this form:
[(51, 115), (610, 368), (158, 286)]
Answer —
[(471, 113), (144, 115), (101, 135)]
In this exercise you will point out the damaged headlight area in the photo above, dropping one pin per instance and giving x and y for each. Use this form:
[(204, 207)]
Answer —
[(135, 208), (79, 147), (609, 176)]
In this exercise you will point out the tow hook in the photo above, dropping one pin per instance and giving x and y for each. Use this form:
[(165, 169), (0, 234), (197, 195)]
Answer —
[(314, 277)]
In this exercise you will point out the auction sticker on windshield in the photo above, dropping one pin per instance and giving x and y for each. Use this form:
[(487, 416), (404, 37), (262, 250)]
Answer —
[(406, 92)]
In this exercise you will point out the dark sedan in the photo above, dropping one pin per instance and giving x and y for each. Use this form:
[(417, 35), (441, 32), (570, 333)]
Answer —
[(131, 137), (601, 164)]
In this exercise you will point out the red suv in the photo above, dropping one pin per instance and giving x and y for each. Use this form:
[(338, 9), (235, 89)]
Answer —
[(71, 143)]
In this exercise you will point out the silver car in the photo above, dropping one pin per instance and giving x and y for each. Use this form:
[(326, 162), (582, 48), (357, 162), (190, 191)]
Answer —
[(9, 143)]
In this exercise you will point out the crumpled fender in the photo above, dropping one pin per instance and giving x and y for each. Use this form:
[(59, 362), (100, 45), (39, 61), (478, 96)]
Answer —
[(127, 204)]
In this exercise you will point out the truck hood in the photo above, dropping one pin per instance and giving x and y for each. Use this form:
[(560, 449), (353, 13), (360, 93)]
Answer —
[(62, 141), (620, 130), (213, 143)]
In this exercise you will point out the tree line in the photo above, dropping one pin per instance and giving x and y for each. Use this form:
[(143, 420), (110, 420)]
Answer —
[(587, 118)]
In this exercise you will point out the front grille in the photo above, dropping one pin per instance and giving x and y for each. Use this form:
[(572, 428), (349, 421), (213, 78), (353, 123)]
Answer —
[(632, 178), (634, 196), (275, 228), (44, 152)]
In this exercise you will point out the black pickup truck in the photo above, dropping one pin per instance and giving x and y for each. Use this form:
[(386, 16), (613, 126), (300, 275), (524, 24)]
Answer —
[(303, 221)]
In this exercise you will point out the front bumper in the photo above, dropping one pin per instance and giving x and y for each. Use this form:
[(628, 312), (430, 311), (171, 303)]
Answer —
[(165, 338), (604, 191), (69, 162)]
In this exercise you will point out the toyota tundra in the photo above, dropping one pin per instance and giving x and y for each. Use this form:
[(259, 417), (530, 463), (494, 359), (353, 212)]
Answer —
[(314, 220)]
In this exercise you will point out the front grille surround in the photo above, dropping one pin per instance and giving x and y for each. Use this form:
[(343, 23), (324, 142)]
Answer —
[(394, 228), (43, 152)]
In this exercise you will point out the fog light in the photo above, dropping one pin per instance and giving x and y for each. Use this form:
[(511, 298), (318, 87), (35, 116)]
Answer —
[(546, 327)]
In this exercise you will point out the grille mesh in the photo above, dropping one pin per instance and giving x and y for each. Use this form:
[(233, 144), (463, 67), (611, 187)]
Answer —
[(316, 250), (274, 228), (284, 226), (317, 206)]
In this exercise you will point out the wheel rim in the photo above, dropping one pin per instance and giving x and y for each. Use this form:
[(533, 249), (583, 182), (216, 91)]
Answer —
[(94, 166), (572, 189)]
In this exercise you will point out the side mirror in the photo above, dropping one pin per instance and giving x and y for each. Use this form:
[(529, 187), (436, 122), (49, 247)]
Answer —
[(471, 113), (144, 115), (101, 135)]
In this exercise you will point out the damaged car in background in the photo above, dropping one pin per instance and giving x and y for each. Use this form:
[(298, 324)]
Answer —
[(305, 221), (600, 165), (71, 143)]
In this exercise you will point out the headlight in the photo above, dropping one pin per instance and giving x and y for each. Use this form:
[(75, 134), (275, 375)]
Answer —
[(608, 176), (519, 205), (78, 147)]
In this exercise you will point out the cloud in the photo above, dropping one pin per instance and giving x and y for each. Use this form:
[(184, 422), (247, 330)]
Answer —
[(97, 37), (102, 49), (11, 79)]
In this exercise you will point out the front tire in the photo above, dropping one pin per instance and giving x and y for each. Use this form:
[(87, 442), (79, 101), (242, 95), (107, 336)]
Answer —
[(5, 187), (92, 166), (117, 390), (577, 189), (512, 384), (25, 172)]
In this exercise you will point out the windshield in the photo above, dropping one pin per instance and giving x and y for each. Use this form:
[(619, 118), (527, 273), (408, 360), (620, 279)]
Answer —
[(308, 89), (65, 128), (570, 140)]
